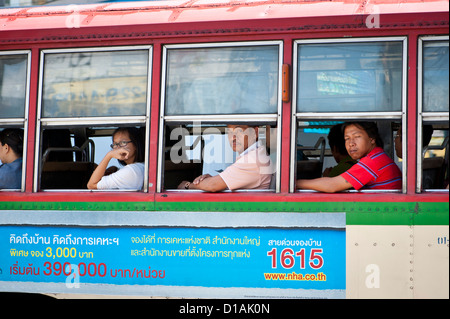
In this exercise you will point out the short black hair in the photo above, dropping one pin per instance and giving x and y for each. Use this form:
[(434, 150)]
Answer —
[(14, 138), (336, 139)]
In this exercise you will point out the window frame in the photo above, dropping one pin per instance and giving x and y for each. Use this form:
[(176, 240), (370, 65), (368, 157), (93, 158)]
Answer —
[(22, 122), (422, 115), (45, 122), (344, 116), (219, 118)]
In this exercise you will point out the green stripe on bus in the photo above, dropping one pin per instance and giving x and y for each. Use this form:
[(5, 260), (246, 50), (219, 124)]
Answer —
[(82, 206), (357, 213)]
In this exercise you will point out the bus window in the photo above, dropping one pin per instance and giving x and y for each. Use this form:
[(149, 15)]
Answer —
[(435, 76), (194, 150), (344, 81), (207, 89), (86, 94), (110, 83), (321, 151), (435, 157), (13, 85), (70, 156), (349, 77), (14, 81), (65, 164), (432, 159), (226, 80)]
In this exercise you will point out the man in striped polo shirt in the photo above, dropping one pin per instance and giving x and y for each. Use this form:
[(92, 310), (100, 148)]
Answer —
[(374, 170)]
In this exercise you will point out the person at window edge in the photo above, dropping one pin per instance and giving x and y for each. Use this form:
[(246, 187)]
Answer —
[(11, 152)]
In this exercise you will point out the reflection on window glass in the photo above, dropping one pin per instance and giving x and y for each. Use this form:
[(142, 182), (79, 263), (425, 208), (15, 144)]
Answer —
[(222, 80), (350, 77), (435, 76), (13, 84), (95, 84)]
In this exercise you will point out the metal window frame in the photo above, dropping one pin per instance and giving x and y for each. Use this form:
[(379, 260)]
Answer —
[(425, 116), (21, 121), (220, 118), (89, 121), (395, 115)]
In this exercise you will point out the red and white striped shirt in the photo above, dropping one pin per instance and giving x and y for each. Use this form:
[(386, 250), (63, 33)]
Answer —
[(376, 170)]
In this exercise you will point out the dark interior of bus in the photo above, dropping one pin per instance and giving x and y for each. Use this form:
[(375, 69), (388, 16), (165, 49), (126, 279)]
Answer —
[(69, 155), (435, 165)]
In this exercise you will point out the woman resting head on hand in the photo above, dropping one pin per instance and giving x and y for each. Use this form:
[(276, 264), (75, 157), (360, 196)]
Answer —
[(128, 149)]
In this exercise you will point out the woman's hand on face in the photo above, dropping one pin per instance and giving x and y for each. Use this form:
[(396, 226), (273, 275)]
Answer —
[(120, 153)]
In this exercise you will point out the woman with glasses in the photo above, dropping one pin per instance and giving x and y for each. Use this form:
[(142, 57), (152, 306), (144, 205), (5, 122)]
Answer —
[(11, 151), (128, 149)]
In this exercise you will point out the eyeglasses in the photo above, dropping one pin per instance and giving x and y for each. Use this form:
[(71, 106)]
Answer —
[(120, 144)]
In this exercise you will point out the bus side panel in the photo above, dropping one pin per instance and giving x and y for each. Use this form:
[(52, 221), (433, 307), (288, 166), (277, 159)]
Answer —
[(431, 262), (397, 262)]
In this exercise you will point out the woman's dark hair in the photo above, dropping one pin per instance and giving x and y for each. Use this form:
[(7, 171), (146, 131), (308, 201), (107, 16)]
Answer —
[(336, 139), (137, 138), (370, 128), (14, 138)]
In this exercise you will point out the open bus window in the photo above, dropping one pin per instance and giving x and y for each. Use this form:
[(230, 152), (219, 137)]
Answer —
[(70, 156), (321, 150), (345, 81), (435, 156), (207, 88), (194, 149)]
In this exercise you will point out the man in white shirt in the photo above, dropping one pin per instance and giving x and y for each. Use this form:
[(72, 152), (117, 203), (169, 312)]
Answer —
[(252, 170)]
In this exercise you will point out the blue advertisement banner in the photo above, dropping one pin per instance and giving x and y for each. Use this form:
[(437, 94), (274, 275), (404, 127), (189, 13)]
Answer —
[(295, 258)]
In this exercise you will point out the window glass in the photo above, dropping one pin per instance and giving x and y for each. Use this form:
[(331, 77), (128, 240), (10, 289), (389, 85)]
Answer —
[(112, 83), (435, 76), (350, 77), (13, 84), (230, 80)]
